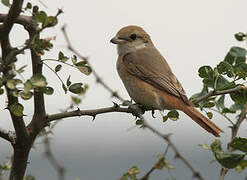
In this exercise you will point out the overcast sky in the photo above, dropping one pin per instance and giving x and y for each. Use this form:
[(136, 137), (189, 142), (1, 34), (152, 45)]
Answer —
[(188, 33)]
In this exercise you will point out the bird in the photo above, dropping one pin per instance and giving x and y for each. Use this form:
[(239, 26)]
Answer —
[(148, 78)]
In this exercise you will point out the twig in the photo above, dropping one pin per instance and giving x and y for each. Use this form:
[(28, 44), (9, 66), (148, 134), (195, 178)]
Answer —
[(166, 138), (98, 78), (50, 156), (146, 176), (214, 93), (235, 129)]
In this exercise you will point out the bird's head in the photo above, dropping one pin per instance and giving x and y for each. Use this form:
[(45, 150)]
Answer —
[(130, 39)]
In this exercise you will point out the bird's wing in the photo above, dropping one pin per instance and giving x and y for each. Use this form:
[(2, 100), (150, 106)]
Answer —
[(150, 66)]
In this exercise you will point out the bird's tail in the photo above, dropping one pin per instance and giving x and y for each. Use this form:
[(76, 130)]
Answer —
[(204, 122)]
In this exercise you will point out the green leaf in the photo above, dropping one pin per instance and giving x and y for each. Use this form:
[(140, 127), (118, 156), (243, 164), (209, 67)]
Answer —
[(26, 95), (225, 68), (85, 69), (49, 21), (21, 69), (58, 67), (228, 160), (134, 170), (205, 146), (68, 82), (241, 166), (173, 115), (38, 80), (64, 88), (216, 146), (228, 110), (236, 107), (210, 115), (1, 91), (62, 57), (207, 104), (239, 143), (41, 17), (163, 163), (16, 109), (6, 3), (47, 90), (235, 55), (76, 88), (206, 72), (165, 118), (139, 122), (240, 36), (240, 70), (222, 83), (239, 97), (75, 100), (12, 83), (74, 59), (27, 86), (220, 103), (28, 6)]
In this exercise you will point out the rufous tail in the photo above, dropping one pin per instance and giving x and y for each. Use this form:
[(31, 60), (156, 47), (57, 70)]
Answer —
[(204, 122)]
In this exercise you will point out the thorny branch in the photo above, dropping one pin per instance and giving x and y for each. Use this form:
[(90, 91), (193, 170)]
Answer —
[(137, 111)]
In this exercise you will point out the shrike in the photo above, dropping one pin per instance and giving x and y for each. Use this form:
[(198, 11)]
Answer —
[(149, 79)]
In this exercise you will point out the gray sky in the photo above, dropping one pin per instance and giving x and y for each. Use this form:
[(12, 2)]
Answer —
[(188, 33)]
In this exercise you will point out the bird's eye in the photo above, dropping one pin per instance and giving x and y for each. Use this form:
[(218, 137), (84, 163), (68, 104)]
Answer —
[(133, 36)]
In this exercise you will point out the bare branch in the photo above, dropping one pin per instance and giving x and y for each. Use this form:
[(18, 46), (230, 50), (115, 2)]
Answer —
[(90, 112)]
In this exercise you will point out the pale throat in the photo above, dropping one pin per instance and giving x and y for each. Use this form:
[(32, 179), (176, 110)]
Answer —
[(125, 48)]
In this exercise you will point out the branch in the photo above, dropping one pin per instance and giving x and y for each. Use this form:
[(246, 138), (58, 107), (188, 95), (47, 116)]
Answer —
[(214, 93), (13, 13), (48, 153), (7, 135), (90, 112), (146, 176), (166, 137)]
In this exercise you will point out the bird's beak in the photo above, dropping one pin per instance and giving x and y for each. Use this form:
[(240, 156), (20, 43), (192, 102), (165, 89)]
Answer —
[(116, 40)]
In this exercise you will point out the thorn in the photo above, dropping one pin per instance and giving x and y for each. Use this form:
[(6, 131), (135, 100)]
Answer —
[(177, 156), (153, 113), (115, 105), (94, 116), (78, 111), (114, 94), (196, 174), (98, 80)]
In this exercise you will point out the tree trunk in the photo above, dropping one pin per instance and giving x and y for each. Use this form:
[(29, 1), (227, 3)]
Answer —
[(19, 163)]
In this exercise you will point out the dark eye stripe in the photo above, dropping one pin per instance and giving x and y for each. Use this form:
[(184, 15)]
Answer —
[(133, 36)]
